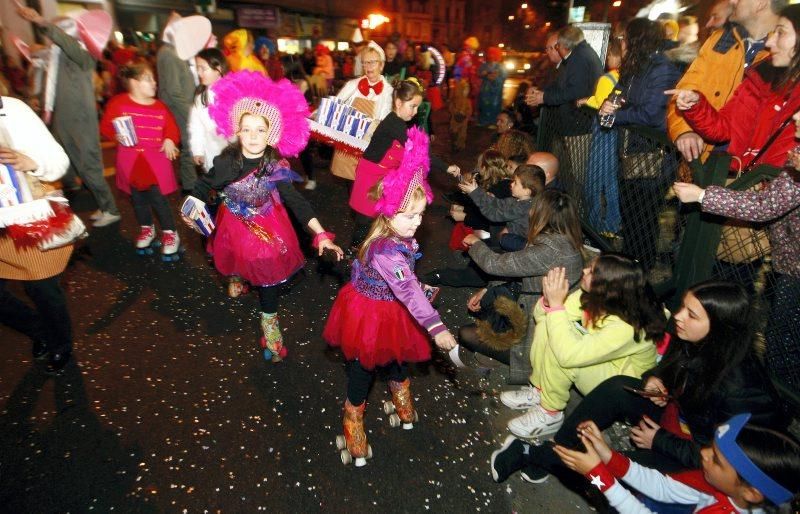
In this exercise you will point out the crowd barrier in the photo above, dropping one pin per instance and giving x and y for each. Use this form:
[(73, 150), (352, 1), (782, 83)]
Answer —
[(621, 181)]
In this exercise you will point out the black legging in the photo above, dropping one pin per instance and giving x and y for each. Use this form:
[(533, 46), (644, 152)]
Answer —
[(49, 323), (360, 379), (144, 202), (607, 403), (268, 299)]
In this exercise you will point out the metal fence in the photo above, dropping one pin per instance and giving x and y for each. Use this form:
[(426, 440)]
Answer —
[(621, 180)]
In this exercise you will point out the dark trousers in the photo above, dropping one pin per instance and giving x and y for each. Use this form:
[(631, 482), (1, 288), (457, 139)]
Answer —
[(640, 201), (48, 323), (783, 331), (607, 403), (268, 299), (307, 161), (359, 379), (145, 202)]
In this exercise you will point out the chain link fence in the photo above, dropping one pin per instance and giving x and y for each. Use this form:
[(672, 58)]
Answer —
[(621, 180)]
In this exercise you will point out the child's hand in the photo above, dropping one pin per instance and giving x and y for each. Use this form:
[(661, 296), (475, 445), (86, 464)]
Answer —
[(576, 460), (189, 223), (468, 187), (470, 239), (445, 340), (607, 108), (580, 102), (169, 149), (327, 244), (555, 288), (199, 160), (474, 302), (592, 436), (454, 170), (643, 434)]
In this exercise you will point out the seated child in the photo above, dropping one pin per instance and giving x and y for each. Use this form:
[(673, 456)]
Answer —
[(746, 469), (528, 182)]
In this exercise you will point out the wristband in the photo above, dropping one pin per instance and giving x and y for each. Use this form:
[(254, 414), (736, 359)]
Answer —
[(549, 309), (321, 237), (601, 477)]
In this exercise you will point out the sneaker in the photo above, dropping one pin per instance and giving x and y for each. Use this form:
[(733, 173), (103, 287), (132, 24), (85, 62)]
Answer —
[(521, 399), (96, 215), (536, 422), (510, 458), (311, 185), (533, 474), (106, 218), (170, 242)]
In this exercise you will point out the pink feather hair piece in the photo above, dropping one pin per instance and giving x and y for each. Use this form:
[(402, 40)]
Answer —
[(281, 103), (399, 184)]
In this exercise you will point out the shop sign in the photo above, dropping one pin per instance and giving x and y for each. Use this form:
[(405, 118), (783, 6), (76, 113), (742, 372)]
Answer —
[(258, 17)]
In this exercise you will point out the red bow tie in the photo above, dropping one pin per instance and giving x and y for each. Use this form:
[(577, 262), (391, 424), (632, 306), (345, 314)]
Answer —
[(364, 86)]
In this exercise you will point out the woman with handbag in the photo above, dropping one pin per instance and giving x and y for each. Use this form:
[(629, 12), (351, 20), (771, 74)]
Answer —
[(645, 73), (27, 146), (778, 204)]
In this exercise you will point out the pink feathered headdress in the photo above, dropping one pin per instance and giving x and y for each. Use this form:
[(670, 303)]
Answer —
[(281, 103), (398, 185)]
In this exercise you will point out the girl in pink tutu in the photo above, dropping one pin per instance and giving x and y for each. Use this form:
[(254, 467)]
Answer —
[(252, 185), (382, 318)]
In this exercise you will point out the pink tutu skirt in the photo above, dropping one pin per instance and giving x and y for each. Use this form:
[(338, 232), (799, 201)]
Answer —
[(376, 332), (262, 260)]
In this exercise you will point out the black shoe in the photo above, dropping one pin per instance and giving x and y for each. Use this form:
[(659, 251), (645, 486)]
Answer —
[(533, 474), (434, 278), (39, 350), (57, 362), (510, 458)]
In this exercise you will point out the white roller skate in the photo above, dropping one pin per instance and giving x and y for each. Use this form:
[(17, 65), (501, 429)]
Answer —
[(171, 246), (146, 242)]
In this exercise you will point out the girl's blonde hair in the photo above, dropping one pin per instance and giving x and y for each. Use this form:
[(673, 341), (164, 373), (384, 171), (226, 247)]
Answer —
[(492, 167), (381, 228)]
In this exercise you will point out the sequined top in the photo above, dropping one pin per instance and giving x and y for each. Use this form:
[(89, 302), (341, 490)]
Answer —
[(387, 274), (257, 192)]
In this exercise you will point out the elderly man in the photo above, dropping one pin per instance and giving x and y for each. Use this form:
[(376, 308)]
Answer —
[(719, 67)]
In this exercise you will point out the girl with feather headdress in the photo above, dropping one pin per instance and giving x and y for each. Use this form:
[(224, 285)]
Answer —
[(252, 183), (383, 318)]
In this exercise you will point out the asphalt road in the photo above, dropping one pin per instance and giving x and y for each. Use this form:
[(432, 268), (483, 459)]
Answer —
[(168, 405)]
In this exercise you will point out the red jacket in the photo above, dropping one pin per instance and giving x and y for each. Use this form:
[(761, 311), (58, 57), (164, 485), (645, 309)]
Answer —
[(748, 119)]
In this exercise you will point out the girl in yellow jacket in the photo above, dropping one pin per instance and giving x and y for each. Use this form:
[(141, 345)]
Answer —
[(606, 328)]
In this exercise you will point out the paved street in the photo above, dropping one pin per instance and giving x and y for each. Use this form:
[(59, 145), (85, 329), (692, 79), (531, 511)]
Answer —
[(169, 406)]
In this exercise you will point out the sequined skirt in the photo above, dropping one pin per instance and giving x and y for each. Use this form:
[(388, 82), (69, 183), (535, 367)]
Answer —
[(262, 249)]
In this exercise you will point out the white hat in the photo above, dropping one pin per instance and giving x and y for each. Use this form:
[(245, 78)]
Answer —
[(375, 46)]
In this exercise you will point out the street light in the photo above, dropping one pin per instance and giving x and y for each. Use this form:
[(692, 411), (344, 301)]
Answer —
[(616, 3), (524, 6), (373, 21), (511, 18)]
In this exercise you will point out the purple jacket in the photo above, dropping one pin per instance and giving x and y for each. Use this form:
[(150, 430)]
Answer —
[(777, 204), (388, 274)]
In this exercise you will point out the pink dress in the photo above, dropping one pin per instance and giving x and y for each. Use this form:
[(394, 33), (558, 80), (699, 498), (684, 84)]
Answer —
[(368, 174), (254, 238), (153, 124)]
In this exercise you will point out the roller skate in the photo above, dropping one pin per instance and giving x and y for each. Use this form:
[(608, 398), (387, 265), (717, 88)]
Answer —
[(353, 444), (401, 408), (146, 242), (170, 246), (237, 287), (272, 340)]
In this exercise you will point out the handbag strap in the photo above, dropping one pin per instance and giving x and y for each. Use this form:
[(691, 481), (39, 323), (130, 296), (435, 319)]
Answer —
[(769, 142)]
